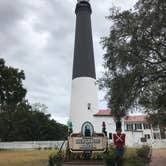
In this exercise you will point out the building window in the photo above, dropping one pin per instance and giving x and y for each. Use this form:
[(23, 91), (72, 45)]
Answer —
[(155, 128), (156, 135), (143, 139), (147, 136), (146, 126), (110, 135), (129, 126), (89, 106), (138, 126), (163, 134)]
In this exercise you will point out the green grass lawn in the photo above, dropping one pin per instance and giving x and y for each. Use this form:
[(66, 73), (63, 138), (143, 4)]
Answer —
[(40, 158), (24, 158)]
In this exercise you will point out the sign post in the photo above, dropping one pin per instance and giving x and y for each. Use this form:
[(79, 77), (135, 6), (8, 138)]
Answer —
[(87, 141), (78, 144)]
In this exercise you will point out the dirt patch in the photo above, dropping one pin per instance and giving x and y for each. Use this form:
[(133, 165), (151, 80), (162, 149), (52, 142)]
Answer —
[(158, 157)]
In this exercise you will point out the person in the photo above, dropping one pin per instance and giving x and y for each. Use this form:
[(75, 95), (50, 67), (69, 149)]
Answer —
[(119, 142)]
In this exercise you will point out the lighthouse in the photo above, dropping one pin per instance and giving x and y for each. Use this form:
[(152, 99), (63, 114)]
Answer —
[(84, 91)]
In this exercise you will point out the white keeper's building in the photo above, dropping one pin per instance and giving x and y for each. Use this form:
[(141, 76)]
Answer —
[(138, 131)]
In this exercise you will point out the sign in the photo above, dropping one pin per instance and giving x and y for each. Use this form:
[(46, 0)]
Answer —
[(78, 143)]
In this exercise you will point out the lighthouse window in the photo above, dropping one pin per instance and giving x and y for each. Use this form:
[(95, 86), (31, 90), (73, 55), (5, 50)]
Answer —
[(89, 106)]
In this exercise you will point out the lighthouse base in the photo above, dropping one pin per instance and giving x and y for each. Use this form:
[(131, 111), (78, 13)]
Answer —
[(83, 102)]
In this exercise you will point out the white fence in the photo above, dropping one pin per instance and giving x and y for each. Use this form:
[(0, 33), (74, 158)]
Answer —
[(58, 144), (158, 143), (31, 145)]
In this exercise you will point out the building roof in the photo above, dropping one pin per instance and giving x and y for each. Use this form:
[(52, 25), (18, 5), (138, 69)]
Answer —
[(131, 118), (137, 118), (103, 113)]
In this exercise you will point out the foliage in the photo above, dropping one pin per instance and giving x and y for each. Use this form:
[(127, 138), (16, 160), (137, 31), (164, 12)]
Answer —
[(56, 158), (131, 158), (143, 152), (27, 125), (19, 121), (97, 156), (75, 156), (12, 91), (135, 59), (136, 157), (39, 107), (81, 156), (110, 157), (130, 153)]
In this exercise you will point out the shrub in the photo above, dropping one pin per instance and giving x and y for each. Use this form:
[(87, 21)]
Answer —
[(56, 158), (97, 156), (130, 153), (110, 157), (143, 152), (134, 157), (75, 156)]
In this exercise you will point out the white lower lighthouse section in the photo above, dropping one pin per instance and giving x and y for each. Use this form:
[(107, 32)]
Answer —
[(83, 102)]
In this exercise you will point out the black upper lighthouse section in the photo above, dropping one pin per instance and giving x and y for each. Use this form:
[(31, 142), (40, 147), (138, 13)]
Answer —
[(83, 65)]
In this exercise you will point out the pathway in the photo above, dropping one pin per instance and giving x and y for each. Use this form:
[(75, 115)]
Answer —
[(158, 157)]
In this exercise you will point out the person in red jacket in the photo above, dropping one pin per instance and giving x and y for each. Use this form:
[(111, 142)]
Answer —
[(119, 142)]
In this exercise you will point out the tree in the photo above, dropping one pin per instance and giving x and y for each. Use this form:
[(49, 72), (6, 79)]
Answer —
[(39, 107), (135, 59), (12, 91), (19, 121), (27, 124), (13, 125)]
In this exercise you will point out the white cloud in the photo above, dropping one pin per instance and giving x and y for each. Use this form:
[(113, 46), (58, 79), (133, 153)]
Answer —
[(38, 37)]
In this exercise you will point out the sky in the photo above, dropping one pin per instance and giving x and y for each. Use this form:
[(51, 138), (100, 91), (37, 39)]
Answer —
[(37, 36)]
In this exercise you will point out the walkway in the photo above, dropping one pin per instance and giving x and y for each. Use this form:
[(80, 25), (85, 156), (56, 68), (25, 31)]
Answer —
[(158, 157)]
